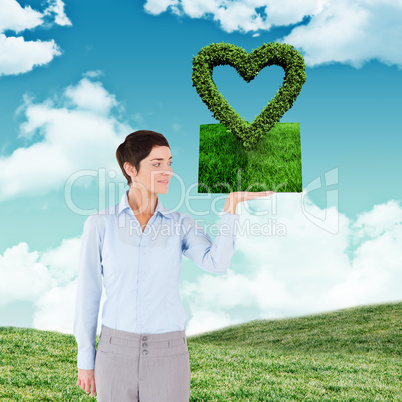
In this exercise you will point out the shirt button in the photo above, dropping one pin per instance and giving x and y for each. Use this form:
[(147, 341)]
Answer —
[(144, 345), (145, 352), (144, 338)]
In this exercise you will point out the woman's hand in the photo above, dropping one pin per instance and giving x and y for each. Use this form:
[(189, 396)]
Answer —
[(86, 379), (239, 196)]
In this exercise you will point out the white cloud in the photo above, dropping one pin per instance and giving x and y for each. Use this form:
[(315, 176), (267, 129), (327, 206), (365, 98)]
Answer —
[(16, 18), (352, 33), (23, 276), (158, 6), (381, 218), (376, 274), (56, 9), (77, 130), (47, 279), (207, 320), (62, 261), (240, 16), (17, 55), (91, 96), (93, 74), (288, 12), (31, 275), (307, 271), (55, 309), (337, 30)]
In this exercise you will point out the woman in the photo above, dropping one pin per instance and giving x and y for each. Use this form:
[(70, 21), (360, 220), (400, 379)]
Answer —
[(136, 247)]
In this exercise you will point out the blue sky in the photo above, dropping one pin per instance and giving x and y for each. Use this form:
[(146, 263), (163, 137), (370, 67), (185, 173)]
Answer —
[(82, 75)]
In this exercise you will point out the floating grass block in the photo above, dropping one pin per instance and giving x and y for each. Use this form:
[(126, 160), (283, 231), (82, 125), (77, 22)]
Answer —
[(274, 164)]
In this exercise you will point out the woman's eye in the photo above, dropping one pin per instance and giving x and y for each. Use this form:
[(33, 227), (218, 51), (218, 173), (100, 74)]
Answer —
[(157, 164)]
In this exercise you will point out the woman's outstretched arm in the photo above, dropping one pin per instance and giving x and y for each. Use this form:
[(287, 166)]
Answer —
[(215, 257)]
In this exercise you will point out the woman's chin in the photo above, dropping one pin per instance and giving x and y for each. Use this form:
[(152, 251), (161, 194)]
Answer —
[(163, 189)]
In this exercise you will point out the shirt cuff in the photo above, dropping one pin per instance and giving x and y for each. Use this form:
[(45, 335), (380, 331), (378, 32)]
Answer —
[(86, 360)]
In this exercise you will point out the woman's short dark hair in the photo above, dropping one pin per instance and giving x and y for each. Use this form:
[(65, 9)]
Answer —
[(136, 147)]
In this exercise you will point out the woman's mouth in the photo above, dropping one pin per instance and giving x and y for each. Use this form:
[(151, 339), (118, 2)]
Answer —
[(163, 181)]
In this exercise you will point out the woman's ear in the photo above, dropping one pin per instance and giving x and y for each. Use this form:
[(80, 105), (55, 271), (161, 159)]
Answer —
[(130, 170)]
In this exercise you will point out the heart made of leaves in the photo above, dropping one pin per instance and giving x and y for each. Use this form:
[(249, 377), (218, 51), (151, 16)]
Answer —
[(248, 65)]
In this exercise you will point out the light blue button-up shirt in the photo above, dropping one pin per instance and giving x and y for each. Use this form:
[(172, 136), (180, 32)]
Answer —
[(141, 270)]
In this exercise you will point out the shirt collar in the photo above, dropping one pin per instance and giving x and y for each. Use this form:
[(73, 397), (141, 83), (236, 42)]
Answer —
[(159, 207)]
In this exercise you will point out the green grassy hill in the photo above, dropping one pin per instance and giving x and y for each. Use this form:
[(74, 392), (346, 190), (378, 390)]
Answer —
[(349, 355)]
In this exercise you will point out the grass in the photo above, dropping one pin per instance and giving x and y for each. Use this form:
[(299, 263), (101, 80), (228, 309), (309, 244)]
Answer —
[(275, 164), (352, 354)]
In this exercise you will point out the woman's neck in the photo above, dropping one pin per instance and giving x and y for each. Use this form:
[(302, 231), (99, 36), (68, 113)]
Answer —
[(142, 203)]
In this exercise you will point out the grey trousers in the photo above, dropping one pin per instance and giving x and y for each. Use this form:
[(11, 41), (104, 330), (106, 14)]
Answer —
[(142, 367)]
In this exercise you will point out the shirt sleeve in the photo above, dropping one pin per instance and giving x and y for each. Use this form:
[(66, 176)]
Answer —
[(89, 291), (214, 257)]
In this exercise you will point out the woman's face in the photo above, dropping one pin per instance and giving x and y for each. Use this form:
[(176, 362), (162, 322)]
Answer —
[(155, 171)]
